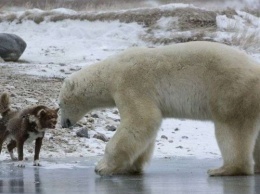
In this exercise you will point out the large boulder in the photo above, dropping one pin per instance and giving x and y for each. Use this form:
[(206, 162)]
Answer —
[(11, 47)]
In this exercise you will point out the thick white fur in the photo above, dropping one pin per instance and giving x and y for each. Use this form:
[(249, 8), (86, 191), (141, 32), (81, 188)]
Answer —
[(195, 80)]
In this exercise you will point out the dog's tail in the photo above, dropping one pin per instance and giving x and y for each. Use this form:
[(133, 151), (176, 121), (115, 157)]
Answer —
[(4, 103)]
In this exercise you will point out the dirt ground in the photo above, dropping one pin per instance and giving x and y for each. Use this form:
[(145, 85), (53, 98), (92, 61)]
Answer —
[(26, 90)]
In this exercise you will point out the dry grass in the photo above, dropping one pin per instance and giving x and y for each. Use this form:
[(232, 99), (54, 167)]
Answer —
[(190, 18), (255, 11), (247, 40), (79, 5)]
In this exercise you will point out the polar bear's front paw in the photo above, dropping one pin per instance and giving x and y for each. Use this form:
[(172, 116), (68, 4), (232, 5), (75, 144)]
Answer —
[(102, 168), (21, 164), (36, 163)]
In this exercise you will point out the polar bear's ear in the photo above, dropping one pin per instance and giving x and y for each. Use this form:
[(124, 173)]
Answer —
[(69, 84)]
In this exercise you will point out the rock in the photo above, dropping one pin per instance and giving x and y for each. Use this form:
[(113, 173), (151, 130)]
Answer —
[(110, 127), (115, 112), (164, 137), (11, 47), (91, 120), (101, 137), (185, 137), (94, 116), (176, 129), (83, 132)]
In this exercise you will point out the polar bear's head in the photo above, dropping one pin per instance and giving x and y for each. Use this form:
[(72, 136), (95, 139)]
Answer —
[(71, 106)]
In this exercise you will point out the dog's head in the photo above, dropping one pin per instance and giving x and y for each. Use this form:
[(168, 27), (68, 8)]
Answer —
[(44, 117)]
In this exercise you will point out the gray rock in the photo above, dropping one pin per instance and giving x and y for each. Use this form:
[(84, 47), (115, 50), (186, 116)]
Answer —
[(164, 137), (94, 115), (83, 132), (110, 127), (101, 137), (11, 47)]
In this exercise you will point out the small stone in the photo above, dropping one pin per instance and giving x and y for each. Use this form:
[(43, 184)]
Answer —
[(101, 137), (90, 126), (94, 115), (83, 132), (179, 147), (30, 151), (176, 129), (117, 120), (13, 94), (70, 150), (115, 112), (171, 141), (91, 120), (111, 128), (184, 137), (164, 137), (62, 64)]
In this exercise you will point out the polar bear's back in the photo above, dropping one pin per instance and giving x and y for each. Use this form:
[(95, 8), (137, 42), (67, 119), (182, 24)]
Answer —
[(183, 79)]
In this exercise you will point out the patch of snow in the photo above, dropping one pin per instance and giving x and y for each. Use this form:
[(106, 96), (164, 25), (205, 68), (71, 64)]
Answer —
[(64, 11), (72, 43), (175, 6)]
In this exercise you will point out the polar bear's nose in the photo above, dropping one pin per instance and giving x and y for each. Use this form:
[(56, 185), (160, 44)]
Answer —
[(66, 123)]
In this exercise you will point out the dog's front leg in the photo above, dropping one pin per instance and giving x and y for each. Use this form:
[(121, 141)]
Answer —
[(38, 144), (20, 144)]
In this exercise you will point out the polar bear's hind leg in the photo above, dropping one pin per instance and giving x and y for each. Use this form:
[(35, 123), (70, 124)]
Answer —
[(257, 155), (236, 143)]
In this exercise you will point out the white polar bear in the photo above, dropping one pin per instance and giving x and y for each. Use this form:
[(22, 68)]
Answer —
[(195, 80)]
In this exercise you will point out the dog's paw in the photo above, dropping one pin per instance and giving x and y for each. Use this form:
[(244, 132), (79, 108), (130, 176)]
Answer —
[(21, 164), (13, 157), (36, 163)]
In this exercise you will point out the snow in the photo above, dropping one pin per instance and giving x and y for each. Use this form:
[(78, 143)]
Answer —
[(73, 43), (60, 48)]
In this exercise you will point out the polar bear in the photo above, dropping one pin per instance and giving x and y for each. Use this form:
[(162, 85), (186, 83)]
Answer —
[(195, 80)]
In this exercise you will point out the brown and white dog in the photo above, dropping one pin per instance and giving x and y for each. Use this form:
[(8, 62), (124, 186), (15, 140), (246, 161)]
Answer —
[(23, 126)]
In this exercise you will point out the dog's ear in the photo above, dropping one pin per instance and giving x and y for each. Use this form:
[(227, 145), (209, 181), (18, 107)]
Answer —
[(5, 100), (56, 110), (41, 113)]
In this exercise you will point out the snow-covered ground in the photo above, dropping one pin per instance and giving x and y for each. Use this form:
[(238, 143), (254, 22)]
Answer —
[(56, 49)]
